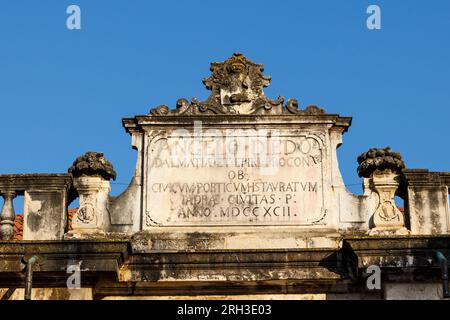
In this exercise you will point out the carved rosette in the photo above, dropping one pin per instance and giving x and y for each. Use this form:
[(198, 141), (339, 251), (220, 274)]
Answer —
[(236, 87), (87, 213), (381, 169)]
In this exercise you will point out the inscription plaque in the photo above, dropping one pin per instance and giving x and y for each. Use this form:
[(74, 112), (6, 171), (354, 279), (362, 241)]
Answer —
[(245, 177)]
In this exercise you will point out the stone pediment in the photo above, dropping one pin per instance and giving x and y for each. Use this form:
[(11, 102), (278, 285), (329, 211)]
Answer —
[(238, 160), (237, 87)]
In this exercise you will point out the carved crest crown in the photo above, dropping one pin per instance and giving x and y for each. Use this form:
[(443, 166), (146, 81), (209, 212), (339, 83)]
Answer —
[(236, 88)]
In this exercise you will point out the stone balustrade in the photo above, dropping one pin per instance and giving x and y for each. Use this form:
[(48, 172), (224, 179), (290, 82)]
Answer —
[(46, 197)]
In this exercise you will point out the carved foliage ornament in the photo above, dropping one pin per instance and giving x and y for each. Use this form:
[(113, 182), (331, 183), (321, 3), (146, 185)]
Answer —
[(382, 167), (92, 164), (236, 88)]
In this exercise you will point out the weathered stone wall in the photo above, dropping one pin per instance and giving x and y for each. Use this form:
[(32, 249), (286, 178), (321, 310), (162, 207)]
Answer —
[(427, 201)]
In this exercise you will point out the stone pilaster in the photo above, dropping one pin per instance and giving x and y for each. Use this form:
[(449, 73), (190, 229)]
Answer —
[(387, 218), (93, 209), (381, 170)]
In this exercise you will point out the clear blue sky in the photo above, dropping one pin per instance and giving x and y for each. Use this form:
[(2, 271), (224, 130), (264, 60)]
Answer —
[(64, 92)]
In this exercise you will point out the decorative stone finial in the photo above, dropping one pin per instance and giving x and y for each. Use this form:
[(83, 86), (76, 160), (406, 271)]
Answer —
[(381, 169), (92, 164), (379, 159), (91, 174), (236, 86)]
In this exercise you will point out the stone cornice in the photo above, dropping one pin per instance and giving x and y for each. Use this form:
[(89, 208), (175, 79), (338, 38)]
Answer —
[(137, 123), (36, 181), (425, 178), (216, 271)]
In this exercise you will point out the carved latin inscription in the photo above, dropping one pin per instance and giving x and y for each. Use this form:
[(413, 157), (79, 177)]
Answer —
[(246, 178)]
